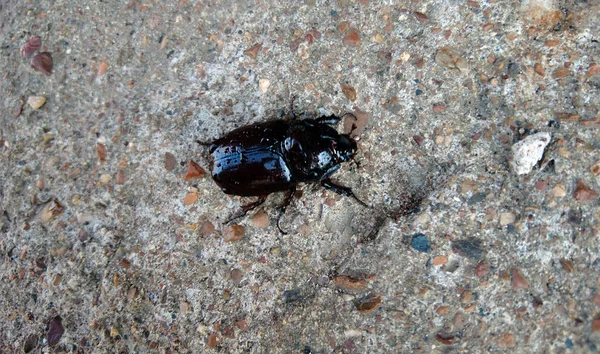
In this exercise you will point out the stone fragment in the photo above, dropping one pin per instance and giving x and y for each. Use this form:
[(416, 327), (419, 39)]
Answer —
[(527, 152)]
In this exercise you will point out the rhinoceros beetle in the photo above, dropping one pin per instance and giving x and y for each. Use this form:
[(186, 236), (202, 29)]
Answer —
[(275, 156)]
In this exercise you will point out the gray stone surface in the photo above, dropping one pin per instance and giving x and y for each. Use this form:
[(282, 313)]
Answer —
[(104, 247)]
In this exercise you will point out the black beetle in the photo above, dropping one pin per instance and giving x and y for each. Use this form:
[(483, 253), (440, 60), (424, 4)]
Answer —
[(274, 156)]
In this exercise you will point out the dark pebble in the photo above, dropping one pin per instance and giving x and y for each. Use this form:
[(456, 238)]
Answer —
[(476, 198), (470, 248), (420, 242)]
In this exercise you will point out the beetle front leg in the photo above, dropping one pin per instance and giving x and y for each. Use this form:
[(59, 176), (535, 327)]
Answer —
[(341, 190), (246, 208)]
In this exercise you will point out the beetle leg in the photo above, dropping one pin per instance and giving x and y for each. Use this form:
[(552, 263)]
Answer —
[(284, 205), (341, 190), (246, 208), (203, 143), (331, 120), (292, 107)]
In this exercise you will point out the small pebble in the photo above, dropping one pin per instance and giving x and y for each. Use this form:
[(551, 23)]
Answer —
[(368, 303), (527, 152), (420, 242), (120, 177), (470, 247), (42, 62), (507, 218), (252, 52), (36, 102), (349, 92), (170, 161), (561, 72), (584, 193), (595, 169), (233, 233), (261, 219), (349, 283), (105, 178), (102, 68), (30, 46), (352, 38), (506, 340), (263, 85), (193, 171), (559, 190), (439, 260), (101, 152), (517, 280), (190, 198), (236, 276)]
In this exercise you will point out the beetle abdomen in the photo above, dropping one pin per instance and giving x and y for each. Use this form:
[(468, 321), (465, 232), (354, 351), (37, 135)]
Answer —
[(250, 171)]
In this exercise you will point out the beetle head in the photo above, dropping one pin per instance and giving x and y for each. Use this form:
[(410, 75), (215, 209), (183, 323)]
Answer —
[(345, 148)]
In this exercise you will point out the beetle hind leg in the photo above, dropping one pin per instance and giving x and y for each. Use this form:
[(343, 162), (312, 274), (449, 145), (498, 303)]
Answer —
[(246, 208), (284, 205), (341, 190)]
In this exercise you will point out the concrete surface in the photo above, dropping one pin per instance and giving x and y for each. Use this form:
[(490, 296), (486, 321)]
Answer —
[(105, 247)]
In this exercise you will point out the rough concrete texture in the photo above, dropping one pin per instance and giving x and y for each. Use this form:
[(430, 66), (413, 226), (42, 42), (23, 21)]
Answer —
[(105, 247)]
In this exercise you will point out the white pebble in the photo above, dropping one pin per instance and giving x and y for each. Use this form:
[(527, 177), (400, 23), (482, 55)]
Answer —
[(527, 152)]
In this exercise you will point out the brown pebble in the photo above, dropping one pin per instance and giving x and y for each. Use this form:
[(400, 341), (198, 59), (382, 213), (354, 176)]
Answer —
[(539, 69), (439, 260), (212, 340), (450, 59), (368, 303), (481, 269), (561, 72), (241, 324), (349, 283), (207, 228), (193, 171), (343, 26), (55, 330), (595, 169), (102, 68), (420, 16), (567, 265), (439, 108), (170, 161), (352, 38), (30, 46), (42, 62), (236, 276), (418, 139), (593, 70), (261, 219), (253, 51), (51, 210), (445, 338), (120, 177), (506, 340), (349, 92), (541, 185), (101, 152), (466, 296), (596, 323), (125, 263), (233, 233), (584, 193), (190, 198), (518, 281), (458, 321)]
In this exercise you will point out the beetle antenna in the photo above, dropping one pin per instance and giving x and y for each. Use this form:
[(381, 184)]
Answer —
[(203, 143)]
